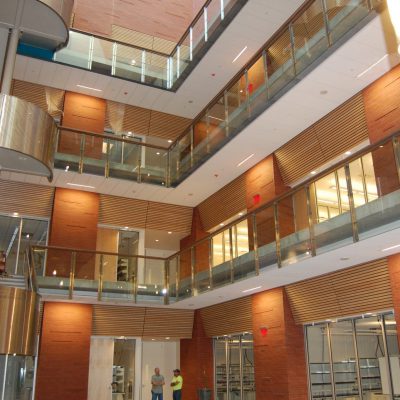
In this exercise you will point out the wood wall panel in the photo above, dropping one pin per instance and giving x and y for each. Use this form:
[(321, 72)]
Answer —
[(169, 22), (224, 204), (73, 225), (340, 130), (144, 214), (352, 291), (144, 322), (279, 357), (382, 105), (394, 274), (142, 121), (63, 366), (26, 199), (226, 318), (48, 99)]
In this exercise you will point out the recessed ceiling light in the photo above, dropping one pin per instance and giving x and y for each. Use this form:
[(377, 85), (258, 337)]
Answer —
[(153, 340), (28, 235), (89, 88), (157, 240), (221, 224), (313, 172), (126, 227), (240, 214), (167, 338), (372, 66), (391, 247), (133, 62), (158, 153), (246, 159), (55, 272), (169, 233), (82, 186), (250, 290), (347, 153), (240, 53), (169, 141), (15, 214)]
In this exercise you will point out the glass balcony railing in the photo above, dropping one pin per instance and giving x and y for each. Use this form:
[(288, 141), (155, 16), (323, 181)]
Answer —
[(135, 63), (288, 56), (356, 199)]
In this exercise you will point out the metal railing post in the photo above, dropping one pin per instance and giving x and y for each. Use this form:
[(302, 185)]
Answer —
[(231, 255), (326, 22), (255, 244), (192, 270), (353, 215), (81, 153), (210, 262), (100, 284), (396, 149), (166, 282), (311, 227), (277, 236), (72, 275)]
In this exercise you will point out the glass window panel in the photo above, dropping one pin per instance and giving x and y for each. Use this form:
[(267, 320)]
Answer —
[(309, 35), (265, 224), (220, 368), (319, 362), (344, 15), (218, 249), (394, 356), (293, 228), (243, 259), (234, 374), (333, 226), (280, 66), (249, 389), (344, 360), (222, 273), (237, 103), (381, 208), (256, 87), (358, 183), (371, 349)]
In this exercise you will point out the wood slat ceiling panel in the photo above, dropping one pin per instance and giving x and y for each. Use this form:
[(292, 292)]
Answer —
[(124, 117), (226, 318), (169, 217), (158, 323), (330, 137), (356, 290), (118, 320), (143, 214), (26, 199), (48, 99), (162, 323), (224, 204)]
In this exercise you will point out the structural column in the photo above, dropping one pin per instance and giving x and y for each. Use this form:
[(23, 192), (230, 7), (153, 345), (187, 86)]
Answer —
[(279, 356)]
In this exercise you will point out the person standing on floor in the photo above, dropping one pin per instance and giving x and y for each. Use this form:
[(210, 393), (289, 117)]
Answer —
[(176, 383), (157, 383)]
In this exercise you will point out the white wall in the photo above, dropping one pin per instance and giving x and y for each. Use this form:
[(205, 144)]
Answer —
[(164, 355)]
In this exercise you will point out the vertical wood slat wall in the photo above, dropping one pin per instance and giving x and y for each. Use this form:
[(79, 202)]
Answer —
[(352, 291)]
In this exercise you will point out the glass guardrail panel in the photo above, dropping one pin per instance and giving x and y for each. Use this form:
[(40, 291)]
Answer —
[(176, 67), (68, 154), (102, 56), (184, 53), (185, 274), (156, 70), (331, 209), (198, 35), (128, 62), (202, 282), (266, 237), (217, 127), (77, 52), (343, 15), (151, 281), (257, 86), (124, 159), (86, 278), (237, 104), (376, 188), (294, 232), (173, 272), (94, 155), (228, 5), (118, 275), (213, 16), (222, 270), (280, 67), (243, 257), (310, 38), (153, 165), (200, 139), (183, 161)]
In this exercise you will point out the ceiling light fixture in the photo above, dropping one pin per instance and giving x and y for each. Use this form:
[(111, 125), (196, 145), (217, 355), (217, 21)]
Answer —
[(169, 233), (391, 247), (169, 141), (372, 66), (347, 153), (240, 53), (15, 214), (250, 290), (313, 172), (157, 240), (82, 186), (89, 88), (133, 62), (246, 159)]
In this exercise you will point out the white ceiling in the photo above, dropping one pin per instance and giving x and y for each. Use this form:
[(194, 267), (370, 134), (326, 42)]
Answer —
[(261, 18), (299, 108)]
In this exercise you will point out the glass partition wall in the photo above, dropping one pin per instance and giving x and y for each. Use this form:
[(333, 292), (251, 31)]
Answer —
[(354, 359), (234, 367)]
